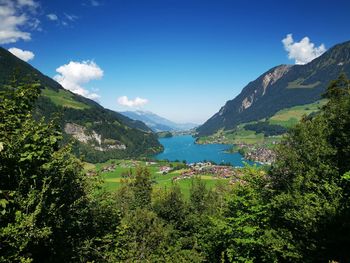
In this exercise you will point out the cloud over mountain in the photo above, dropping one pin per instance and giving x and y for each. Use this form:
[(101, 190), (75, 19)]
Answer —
[(302, 52), (72, 75), (137, 102), (25, 55)]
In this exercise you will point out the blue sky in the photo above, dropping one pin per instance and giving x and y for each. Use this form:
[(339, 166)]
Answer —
[(183, 59)]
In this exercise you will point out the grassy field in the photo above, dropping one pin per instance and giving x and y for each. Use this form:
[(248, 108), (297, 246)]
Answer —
[(114, 179), (63, 98), (291, 116)]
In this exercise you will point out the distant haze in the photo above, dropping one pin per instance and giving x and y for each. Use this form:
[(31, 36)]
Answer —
[(158, 123)]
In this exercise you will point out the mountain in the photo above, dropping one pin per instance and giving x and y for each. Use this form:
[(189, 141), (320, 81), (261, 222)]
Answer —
[(281, 87), (157, 123), (98, 133)]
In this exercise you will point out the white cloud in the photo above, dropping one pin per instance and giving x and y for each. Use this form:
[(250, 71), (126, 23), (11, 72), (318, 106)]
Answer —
[(137, 102), (72, 75), (16, 18), (52, 17), (22, 54), (302, 52)]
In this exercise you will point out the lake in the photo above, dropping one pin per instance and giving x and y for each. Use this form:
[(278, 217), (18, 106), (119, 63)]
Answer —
[(184, 148)]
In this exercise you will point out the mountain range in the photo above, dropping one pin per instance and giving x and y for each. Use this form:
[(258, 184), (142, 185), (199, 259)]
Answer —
[(158, 123), (281, 87), (98, 134)]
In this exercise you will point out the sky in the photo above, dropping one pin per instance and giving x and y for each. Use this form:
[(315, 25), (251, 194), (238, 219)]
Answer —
[(181, 59)]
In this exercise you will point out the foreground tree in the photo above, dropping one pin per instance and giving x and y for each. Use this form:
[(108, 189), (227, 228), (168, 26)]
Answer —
[(311, 194), (44, 216)]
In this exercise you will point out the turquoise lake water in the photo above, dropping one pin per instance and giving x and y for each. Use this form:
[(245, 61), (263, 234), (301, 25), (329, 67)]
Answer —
[(183, 148)]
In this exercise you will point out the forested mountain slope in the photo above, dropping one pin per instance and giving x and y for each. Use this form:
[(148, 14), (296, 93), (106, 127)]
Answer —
[(98, 133)]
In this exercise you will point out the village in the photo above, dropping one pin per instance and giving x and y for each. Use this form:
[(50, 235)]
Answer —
[(205, 168), (257, 153)]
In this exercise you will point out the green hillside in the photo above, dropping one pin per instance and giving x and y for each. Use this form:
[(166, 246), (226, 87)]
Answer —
[(98, 134)]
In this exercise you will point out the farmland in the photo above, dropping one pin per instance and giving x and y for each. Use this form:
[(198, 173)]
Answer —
[(115, 173)]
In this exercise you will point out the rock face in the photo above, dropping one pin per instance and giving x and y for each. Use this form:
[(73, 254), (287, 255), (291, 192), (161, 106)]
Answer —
[(93, 138), (281, 87), (271, 78), (268, 80), (79, 133)]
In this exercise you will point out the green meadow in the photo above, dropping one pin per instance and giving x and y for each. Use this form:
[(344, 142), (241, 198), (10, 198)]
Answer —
[(64, 98), (113, 180), (291, 116)]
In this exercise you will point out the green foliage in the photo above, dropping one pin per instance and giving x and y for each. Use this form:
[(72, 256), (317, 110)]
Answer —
[(170, 206), (198, 196), (238, 234), (141, 236), (310, 193), (142, 188)]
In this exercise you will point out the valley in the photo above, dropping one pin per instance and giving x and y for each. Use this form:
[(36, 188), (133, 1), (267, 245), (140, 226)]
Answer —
[(174, 131)]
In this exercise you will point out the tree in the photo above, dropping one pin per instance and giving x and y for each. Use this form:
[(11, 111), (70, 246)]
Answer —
[(171, 207), (198, 196), (142, 187)]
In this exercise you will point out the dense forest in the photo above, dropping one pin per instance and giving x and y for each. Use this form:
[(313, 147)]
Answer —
[(297, 210), (266, 128)]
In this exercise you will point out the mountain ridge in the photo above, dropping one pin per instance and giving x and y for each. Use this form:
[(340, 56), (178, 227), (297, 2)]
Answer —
[(281, 87)]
